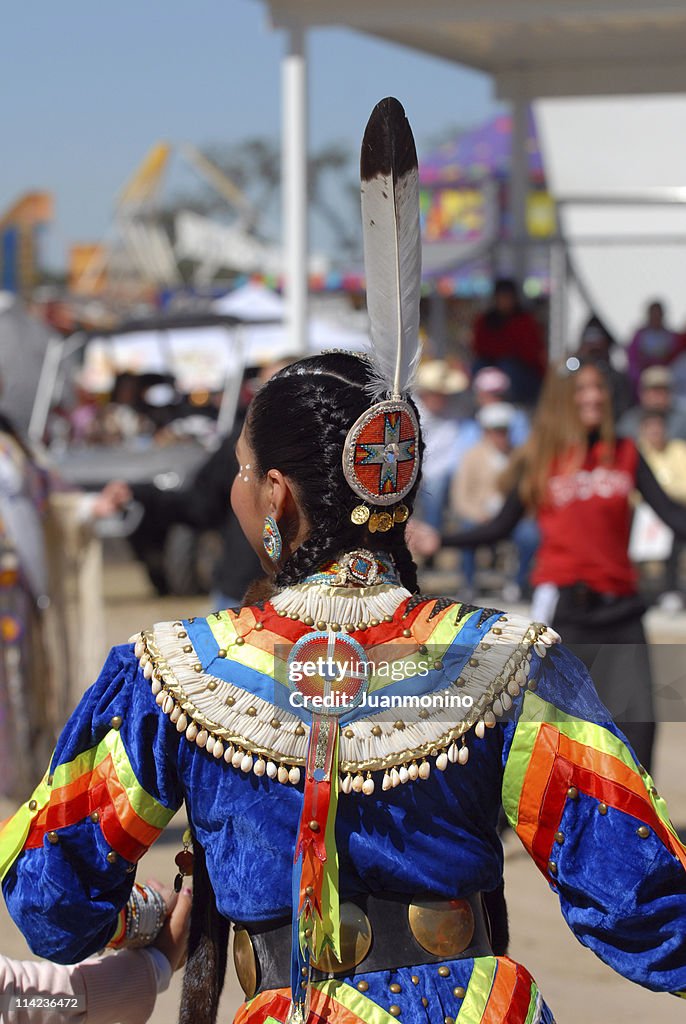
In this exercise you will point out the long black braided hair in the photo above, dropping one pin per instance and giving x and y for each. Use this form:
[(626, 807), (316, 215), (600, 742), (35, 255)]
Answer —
[(297, 423)]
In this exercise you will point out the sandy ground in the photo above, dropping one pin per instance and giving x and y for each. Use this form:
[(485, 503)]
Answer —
[(576, 985)]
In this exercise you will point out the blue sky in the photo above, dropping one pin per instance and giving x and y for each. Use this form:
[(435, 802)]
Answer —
[(87, 88)]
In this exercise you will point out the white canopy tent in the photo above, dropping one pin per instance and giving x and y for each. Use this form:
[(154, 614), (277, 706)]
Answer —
[(251, 302), (616, 166), (199, 358), (266, 343), (536, 47), (532, 48), (263, 342)]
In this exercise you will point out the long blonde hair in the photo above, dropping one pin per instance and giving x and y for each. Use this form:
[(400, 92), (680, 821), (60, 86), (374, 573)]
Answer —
[(558, 436)]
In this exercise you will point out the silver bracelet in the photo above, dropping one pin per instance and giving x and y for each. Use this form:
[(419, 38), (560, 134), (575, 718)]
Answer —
[(146, 911)]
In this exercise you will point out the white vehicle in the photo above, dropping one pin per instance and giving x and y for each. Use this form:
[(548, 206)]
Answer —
[(145, 402)]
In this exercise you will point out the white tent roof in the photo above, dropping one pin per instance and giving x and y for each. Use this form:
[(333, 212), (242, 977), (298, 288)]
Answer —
[(264, 343), (199, 358), (567, 48), (545, 47), (618, 145), (251, 302), (612, 162)]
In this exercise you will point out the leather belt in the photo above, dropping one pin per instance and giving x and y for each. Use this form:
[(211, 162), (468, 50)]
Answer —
[(379, 932)]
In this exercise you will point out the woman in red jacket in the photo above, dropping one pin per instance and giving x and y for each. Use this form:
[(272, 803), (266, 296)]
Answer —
[(577, 478)]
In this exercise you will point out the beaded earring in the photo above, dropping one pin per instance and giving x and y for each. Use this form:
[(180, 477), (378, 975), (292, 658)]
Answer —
[(271, 538)]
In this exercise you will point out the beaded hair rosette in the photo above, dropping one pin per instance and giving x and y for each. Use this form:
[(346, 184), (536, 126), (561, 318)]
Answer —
[(381, 456)]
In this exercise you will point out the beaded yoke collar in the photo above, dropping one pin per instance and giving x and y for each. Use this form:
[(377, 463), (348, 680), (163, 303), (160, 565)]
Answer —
[(215, 677)]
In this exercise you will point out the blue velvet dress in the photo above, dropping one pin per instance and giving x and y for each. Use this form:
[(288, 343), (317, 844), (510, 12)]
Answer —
[(151, 734)]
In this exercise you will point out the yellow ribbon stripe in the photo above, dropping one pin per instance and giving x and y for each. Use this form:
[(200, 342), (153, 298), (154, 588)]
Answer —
[(15, 830), (146, 807), (519, 758), (536, 711), (478, 990), (248, 654), (354, 1001)]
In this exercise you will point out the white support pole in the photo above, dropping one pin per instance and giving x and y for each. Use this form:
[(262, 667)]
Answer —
[(519, 185), (559, 301), (294, 176)]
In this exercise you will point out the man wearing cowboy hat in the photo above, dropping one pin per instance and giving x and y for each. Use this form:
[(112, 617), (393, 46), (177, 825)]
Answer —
[(438, 385)]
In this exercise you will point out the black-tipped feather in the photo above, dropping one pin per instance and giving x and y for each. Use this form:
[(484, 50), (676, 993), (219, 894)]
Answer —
[(392, 246), (388, 143)]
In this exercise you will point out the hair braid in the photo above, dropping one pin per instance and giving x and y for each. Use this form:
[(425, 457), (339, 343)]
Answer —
[(404, 562), (324, 505), (208, 941)]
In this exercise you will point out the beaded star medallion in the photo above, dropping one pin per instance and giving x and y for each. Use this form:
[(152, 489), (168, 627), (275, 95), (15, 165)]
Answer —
[(330, 671), (380, 455)]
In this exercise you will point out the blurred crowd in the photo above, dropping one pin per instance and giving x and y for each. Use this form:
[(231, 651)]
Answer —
[(477, 418), (140, 409)]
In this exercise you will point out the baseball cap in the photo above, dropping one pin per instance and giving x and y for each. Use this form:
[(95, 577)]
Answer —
[(439, 376), (656, 377), (497, 416), (491, 380)]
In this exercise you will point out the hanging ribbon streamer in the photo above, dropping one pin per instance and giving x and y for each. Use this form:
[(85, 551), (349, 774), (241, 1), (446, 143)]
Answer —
[(316, 914)]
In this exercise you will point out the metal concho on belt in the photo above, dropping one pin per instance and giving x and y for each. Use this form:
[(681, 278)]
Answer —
[(442, 927), (356, 941), (245, 962)]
